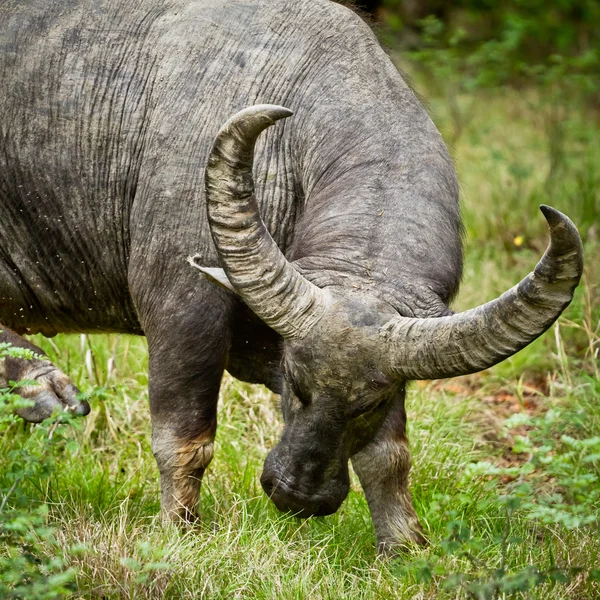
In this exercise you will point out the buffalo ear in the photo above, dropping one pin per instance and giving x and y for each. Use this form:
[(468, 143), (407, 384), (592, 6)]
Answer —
[(213, 274)]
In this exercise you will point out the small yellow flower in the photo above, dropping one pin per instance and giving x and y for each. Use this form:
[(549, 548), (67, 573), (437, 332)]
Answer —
[(518, 241)]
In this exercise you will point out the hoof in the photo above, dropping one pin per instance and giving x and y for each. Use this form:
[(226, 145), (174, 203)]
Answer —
[(54, 391)]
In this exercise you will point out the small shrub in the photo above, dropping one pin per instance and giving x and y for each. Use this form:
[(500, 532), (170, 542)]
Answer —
[(553, 486), (32, 564)]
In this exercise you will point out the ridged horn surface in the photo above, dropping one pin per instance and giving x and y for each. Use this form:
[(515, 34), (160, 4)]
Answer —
[(256, 267), (481, 337)]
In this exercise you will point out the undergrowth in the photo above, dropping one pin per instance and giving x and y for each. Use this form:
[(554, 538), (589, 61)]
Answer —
[(506, 463)]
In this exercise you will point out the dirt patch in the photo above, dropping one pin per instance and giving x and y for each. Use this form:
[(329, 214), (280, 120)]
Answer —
[(496, 401)]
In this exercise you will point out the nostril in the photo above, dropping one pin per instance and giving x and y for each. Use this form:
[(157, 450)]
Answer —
[(267, 485), (323, 510)]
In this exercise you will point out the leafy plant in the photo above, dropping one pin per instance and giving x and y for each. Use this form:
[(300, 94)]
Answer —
[(32, 564), (554, 486)]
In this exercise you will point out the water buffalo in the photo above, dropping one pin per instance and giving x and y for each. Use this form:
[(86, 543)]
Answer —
[(338, 231)]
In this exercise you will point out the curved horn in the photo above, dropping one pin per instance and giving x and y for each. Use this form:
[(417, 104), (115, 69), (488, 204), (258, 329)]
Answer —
[(258, 270), (481, 337)]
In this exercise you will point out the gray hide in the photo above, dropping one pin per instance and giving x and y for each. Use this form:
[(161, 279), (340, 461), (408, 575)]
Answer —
[(108, 112)]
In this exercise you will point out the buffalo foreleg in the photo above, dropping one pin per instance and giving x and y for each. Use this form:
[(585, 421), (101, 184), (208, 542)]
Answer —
[(382, 468), (187, 355), (182, 461), (50, 389)]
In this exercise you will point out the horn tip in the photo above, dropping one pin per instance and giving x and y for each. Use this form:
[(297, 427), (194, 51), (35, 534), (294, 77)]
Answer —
[(563, 233), (280, 112), (213, 274), (250, 122), (274, 112), (553, 216), (556, 219)]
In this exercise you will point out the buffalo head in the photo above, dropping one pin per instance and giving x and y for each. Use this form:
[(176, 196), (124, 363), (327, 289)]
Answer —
[(346, 354)]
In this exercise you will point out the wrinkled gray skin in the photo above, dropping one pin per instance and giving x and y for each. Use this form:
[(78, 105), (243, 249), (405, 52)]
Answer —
[(107, 117)]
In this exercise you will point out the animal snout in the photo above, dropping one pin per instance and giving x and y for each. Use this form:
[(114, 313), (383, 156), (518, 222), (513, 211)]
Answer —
[(82, 409), (302, 504)]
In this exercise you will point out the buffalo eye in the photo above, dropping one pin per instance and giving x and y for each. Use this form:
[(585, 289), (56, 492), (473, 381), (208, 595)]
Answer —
[(378, 381), (294, 387), (364, 409), (381, 404), (304, 399)]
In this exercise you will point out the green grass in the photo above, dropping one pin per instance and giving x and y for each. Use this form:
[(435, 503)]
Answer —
[(103, 492)]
